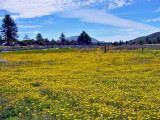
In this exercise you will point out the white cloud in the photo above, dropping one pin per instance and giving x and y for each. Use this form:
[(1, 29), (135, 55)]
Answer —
[(50, 21), (117, 34), (119, 3), (27, 26), (122, 36), (153, 20), (37, 8), (158, 10), (13, 16), (34, 32), (33, 8), (96, 16), (127, 30)]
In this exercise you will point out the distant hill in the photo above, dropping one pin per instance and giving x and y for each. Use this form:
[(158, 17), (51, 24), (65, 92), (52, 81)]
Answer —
[(152, 37), (76, 38)]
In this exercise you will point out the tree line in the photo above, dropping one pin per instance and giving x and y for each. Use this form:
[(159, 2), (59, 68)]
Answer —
[(9, 36), (143, 41)]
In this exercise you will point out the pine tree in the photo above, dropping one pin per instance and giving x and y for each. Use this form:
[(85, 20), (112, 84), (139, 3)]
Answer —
[(147, 40), (141, 42), (115, 43), (158, 39), (62, 39), (1, 40), (0, 37), (154, 41), (9, 29), (121, 42), (84, 39), (53, 42), (150, 42), (39, 39)]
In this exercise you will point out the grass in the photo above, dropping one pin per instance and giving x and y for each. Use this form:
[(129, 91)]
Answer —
[(43, 51)]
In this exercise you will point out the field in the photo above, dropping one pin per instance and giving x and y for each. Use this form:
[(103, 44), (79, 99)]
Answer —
[(80, 84)]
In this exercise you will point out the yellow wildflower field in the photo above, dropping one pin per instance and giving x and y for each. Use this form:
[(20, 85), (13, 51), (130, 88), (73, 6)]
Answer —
[(80, 85)]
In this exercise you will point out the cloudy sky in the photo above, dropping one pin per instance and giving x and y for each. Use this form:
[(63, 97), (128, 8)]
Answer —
[(105, 20)]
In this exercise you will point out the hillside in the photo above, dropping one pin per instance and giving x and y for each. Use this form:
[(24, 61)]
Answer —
[(152, 37)]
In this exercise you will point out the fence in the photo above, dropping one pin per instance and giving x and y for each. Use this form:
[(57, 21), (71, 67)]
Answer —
[(105, 48), (15, 48)]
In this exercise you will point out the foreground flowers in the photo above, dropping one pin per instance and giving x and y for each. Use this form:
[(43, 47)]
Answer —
[(80, 85)]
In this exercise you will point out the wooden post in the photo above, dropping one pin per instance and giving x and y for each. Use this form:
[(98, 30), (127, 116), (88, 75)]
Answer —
[(142, 49), (105, 49)]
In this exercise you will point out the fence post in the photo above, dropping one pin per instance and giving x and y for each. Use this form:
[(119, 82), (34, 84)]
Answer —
[(105, 49), (142, 49)]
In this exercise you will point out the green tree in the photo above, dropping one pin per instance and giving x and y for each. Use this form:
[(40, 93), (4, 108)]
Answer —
[(47, 42), (150, 42), (53, 42), (0, 37), (158, 39), (147, 40), (115, 43), (127, 42), (1, 40), (39, 39), (141, 42), (62, 39), (84, 39), (154, 41), (9, 29), (73, 42), (121, 42)]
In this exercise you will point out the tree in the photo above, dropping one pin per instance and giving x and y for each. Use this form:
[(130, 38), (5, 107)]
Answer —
[(53, 42), (98, 43), (150, 41), (158, 39), (121, 42), (73, 42), (27, 42), (147, 40), (9, 29), (0, 37), (1, 40), (127, 42), (39, 39), (141, 42), (62, 39), (84, 39), (115, 43), (47, 42)]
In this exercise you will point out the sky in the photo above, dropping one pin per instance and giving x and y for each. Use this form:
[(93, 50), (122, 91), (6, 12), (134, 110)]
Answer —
[(105, 20)]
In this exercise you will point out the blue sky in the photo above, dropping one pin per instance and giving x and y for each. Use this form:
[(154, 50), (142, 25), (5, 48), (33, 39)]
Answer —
[(105, 20)]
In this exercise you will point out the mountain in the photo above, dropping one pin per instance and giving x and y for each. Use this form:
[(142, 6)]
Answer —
[(152, 37), (76, 38), (72, 38)]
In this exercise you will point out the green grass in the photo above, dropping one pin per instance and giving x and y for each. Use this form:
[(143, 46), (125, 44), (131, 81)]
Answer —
[(146, 51), (43, 51), (12, 118)]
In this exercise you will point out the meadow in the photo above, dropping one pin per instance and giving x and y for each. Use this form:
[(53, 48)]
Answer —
[(80, 85)]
